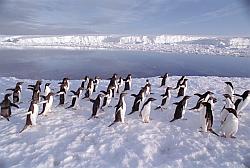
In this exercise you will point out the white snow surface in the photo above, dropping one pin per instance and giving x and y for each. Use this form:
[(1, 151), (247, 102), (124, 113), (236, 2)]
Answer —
[(235, 46), (65, 138)]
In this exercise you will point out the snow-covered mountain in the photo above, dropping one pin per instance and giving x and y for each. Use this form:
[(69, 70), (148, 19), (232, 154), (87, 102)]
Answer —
[(236, 46), (66, 138)]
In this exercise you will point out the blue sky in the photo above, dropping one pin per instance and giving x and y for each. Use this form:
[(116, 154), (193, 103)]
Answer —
[(197, 17)]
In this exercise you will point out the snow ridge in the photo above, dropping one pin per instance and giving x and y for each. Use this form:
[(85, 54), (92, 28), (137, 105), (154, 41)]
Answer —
[(235, 46)]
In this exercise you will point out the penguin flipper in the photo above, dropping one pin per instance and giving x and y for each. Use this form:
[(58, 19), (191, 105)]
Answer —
[(92, 100), (10, 89), (157, 108), (14, 105), (212, 131)]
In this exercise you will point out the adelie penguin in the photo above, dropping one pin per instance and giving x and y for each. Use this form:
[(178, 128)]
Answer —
[(75, 98), (90, 89), (182, 88), (96, 83), (107, 98), (139, 98), (113, 84), (230, 126), (66, 84), (241, 104), (36, 90), (180, 109), (62, 95), (120, 84), (229, 89), (165, 99), (6, 105), (96, 106), (202, 98), (163, 79), (128, 82), (180, 81), (147, 88), (47, 89), (16, 95), (31, 115), (229, 104), (85, 81), (47, 103), (120, 110), (146, 109), (207, 118)]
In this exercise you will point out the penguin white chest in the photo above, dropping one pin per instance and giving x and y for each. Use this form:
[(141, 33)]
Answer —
[(243, 104), (123, 111), (230, 126), (34, 114), (146, 112)]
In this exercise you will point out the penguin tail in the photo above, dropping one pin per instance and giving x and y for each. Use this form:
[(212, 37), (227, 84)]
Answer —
[(212, 131), (172, 120), (111, 124), (24, 128)]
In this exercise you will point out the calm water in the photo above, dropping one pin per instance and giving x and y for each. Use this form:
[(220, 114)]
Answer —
[(55, 64)]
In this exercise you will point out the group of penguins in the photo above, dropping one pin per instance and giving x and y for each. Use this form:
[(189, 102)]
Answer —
[(234, 103)]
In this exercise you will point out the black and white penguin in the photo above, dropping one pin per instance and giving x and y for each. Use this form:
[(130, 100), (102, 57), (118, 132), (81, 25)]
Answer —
[(85, 82), (180, 81), (146, 109), (120, 110), (241, 104), (96, 106), (207, 118), (32, 114), (96, 83), (36, 90), (107, 99), (229, 89), (128, 82), (113, 84), (90, 89), (6, 105), (229, 104), (47, 89), (165, 99), (62, 94), (75, 98), (202, 98), (47, 103), (16, 95), (230, 126), (139, 98), (147, 88), (182, 88), (180, 108), (164, 78), (66, 84), (120, 84)]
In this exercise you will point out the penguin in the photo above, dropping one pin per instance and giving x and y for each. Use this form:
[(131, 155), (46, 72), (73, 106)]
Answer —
[(120, 110), (207, 118), (75, 98), (107, 98), (90, 89), (229, 89), (62, 94), (230, 126), (164, 78), (36, 90), (32, 114), (182, 88), (165, 99), (145, 111), (84, 81), (180, 81), (47, 89), (16, 95), (128, 82), (241, 104), (180, 108), (113, 84), (120, 84), (47, 103), (147, 88), (6, 105), (202, 98), (66, 84), (139, 98), (96, 83), (96, 106), (224, 111)]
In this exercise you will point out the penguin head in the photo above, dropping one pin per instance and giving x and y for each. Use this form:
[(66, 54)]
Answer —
[(47, 84), (230, 84), (19, 83), (187, 97), (39, 82), (151, 99), (233, 111), (166, 75), (6, 96), (209, 92)]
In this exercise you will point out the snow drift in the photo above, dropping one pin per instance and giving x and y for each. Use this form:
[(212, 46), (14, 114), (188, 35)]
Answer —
[(163, 43), (65, 138)]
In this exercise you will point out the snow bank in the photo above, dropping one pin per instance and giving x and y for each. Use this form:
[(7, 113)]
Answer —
[(65, 138), (161, 43)]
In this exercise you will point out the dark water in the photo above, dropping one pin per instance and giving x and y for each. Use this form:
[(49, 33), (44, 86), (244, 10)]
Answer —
[(55, 64)]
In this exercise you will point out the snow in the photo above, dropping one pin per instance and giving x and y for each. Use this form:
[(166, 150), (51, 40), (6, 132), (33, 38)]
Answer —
[(65, 138), (234, 46)]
